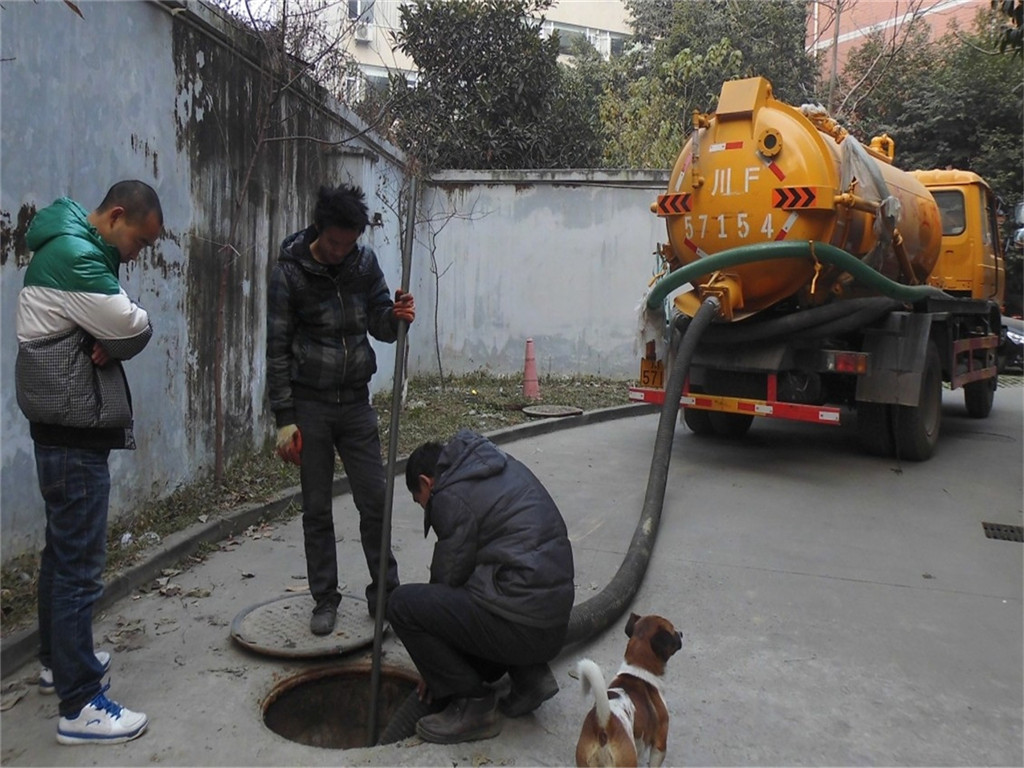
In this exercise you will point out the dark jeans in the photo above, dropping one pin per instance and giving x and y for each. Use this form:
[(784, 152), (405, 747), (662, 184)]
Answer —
[(75, 484), (457, 646), (351, 430)]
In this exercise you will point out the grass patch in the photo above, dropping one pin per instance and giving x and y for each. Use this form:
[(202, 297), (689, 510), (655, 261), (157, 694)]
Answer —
[(434, 410)]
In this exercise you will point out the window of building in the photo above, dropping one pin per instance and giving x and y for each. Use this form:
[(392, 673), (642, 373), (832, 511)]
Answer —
[(361, 10), (606, 42)]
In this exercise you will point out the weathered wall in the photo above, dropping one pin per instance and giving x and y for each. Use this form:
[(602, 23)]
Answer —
[(134, 91), (561, 257)]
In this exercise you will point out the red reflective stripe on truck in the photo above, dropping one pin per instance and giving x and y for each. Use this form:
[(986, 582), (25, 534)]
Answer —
[(816, 414), (787, 226), (722, 146), (693, 247)]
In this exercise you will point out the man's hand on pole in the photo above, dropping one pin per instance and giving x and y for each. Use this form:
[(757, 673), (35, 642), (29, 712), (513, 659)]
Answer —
[(405, 306), (289, 444)]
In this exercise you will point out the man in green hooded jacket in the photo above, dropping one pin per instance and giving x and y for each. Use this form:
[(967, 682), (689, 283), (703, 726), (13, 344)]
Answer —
[(75, 325)]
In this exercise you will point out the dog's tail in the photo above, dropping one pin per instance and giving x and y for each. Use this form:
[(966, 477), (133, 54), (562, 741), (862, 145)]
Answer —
[(592, 682)]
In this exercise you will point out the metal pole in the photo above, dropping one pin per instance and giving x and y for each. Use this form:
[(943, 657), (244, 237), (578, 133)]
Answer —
[(389, 491)]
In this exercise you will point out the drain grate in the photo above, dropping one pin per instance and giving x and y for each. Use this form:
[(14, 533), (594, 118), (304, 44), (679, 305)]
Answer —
[(1004, 532)]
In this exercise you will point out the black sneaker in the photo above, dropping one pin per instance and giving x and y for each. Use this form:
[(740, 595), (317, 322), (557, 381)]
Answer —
[(531, 687), (324, 617), (462, 720)]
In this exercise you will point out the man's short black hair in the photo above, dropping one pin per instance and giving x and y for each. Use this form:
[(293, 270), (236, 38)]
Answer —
[(422, 461), (136, 197), (343, 206)]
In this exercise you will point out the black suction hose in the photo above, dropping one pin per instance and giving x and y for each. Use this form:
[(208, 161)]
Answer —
[(593, 616), (817, 321), (598, 613)]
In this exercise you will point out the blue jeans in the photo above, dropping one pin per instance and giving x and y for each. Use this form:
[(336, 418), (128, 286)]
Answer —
[(75, 484), (351, 430)]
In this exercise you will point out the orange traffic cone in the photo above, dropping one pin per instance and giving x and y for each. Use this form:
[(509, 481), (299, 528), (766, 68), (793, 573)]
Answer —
[(531, 387)]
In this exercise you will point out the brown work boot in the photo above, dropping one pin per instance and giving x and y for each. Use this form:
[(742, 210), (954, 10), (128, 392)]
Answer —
[(462, 720), (531, 687)]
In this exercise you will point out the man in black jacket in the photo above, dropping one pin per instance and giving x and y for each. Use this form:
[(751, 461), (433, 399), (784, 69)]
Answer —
[(500, 591), (326, 293)]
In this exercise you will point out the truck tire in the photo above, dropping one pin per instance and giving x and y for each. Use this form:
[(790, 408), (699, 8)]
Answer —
[(917, 428), (731, 425), (698, 421), (874, 428), (978, 397)]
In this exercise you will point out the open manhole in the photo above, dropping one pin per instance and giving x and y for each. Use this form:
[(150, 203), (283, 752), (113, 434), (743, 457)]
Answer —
[(329, 707)]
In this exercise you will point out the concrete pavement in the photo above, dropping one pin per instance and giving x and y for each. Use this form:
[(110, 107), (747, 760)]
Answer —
[(836, 609)]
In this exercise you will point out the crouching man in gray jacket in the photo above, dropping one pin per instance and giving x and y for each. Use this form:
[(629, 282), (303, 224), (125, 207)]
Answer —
[(500, 591)]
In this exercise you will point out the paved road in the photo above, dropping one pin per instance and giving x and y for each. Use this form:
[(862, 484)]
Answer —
[(836, 609)]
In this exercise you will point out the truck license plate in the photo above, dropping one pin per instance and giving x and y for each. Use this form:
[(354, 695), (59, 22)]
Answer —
[(652, 373)]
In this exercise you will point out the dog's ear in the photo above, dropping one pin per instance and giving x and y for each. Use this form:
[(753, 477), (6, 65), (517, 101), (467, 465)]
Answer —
[(633, 619), (665, 643)]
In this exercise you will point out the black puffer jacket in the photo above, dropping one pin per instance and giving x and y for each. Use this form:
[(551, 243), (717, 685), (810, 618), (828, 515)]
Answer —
[(317, 324), (499, 534)]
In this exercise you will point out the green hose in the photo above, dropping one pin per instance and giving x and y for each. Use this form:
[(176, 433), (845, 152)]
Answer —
[(804, 249)]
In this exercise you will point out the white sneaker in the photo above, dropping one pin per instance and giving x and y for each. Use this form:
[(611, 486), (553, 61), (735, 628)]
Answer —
[(101, 721), (46, 686)]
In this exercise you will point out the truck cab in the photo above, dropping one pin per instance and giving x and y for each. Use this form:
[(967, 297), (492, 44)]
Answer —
[(970, 261)]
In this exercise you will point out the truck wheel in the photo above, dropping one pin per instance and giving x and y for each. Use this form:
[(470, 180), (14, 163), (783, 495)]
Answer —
[(730, 424), (978, 396), (917, 429), (698, 421), (874, 429)]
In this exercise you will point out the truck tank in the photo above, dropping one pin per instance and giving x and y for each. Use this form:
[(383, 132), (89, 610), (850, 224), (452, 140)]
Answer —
[(759, 170)]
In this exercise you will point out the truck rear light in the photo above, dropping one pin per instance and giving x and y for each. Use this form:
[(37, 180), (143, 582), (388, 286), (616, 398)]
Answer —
[(847, 362)]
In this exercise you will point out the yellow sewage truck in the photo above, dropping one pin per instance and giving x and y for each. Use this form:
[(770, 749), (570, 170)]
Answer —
[(847, 289)]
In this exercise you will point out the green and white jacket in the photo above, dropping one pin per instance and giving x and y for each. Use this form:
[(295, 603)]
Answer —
[(70, 300)]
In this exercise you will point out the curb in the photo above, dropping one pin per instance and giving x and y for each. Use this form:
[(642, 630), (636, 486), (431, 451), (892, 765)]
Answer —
[(19, 649)]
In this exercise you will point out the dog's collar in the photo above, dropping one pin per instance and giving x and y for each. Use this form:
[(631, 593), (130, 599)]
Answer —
[(645, 675)]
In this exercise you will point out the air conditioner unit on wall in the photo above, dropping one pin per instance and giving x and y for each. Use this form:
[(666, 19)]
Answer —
[(363, 32)]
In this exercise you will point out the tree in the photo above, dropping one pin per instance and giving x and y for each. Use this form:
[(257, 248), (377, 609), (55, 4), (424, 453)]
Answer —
[(769, 35), (1012, 36), (490, 92), (963, 111), (650, 115), (684, 52)]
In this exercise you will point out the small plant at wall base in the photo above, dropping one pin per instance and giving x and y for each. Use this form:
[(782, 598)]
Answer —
[(478, 401)]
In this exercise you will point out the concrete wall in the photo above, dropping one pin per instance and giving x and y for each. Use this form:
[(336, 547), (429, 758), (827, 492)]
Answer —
[(561, 257), (171, 96)]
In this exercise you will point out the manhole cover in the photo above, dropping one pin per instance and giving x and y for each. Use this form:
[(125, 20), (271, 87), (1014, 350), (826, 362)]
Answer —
[(280, 627), (548, 411)]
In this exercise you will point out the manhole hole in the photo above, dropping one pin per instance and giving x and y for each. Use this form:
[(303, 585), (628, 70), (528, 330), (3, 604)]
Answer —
[(280, 627), (1004, 532), (329, 707), (549, 411)]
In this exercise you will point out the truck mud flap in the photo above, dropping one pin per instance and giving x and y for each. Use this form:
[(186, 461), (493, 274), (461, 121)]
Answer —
[(897, 352)]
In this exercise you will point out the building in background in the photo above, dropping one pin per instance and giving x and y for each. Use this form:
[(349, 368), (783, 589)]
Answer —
[(373, 25), (859, 18)]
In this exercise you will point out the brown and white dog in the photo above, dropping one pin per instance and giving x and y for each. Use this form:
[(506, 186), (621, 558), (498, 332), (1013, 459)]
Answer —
[(631, 714)]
